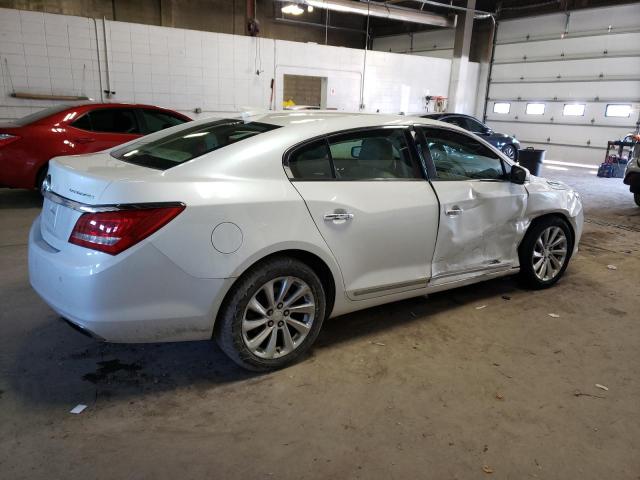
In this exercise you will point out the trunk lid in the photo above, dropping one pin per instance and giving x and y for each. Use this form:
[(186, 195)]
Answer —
[(82, 179)]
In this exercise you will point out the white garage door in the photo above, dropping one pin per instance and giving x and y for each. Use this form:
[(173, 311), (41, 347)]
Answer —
[(568, 83)]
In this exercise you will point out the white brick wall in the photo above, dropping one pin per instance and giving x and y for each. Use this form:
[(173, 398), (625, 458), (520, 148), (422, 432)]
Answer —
[(186, 69)]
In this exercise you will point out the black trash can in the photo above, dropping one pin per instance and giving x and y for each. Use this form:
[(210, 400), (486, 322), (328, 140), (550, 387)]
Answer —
[(531, 159)]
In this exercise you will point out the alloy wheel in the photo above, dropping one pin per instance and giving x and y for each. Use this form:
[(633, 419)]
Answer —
[(509, 151), (549, 253), (278, 317)]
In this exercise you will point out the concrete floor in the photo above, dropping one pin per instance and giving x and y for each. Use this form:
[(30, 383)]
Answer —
[(425, 388)]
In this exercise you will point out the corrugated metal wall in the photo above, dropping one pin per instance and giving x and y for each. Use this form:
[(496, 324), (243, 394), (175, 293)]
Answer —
[(590, 58)]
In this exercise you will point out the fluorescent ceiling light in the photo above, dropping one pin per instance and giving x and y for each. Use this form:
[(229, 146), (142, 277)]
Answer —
[(292, 9)]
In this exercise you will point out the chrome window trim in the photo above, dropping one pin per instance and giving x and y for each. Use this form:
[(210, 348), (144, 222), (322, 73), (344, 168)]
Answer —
[(84, 208)]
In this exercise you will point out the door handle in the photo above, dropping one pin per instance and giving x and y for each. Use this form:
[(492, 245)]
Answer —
[(338, 216), (453, 211), (84, 140)]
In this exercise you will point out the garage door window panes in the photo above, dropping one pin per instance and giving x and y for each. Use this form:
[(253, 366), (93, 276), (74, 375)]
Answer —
[(618, 110), (535, 108), (573, 109), (501, 107)]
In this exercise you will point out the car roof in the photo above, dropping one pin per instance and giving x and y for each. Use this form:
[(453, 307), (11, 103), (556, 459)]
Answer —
[(446, 114), (326, 120)]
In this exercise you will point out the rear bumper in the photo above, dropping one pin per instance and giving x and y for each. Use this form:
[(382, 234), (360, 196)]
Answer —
[(16, 171), (578, 227), (137, 296)]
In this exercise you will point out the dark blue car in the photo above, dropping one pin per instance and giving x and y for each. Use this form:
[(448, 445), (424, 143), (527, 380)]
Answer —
[(509, 145)]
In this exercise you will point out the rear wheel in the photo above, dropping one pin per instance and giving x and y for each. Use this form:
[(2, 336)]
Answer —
[(42, 174), (545, 252), (636, 197), (273, 315)]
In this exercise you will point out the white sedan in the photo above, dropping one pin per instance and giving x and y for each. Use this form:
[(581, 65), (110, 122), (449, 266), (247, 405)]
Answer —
[(253, 231)]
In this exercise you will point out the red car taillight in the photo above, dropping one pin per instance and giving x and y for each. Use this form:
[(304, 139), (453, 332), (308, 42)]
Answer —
[(6, 139), (114, 232)]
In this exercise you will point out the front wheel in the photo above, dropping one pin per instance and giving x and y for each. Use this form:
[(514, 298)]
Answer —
[(545, 252), (510, 151), (273, 315), (636, 197)]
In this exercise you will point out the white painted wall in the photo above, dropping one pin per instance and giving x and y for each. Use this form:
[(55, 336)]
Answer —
[(439, 44), (555, 69), (186, 69)]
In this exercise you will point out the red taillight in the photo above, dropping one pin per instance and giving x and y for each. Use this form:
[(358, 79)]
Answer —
[(6, 139), (114, 232)]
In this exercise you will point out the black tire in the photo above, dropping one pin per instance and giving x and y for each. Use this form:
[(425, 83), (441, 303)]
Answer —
[(228, 328), (526, 251), (42, 174), (636, 197)]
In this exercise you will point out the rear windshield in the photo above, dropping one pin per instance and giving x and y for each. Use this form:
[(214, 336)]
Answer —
[(39, 115), (189, 143)]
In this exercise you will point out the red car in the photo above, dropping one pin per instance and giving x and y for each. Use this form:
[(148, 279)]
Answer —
[(27, 144)]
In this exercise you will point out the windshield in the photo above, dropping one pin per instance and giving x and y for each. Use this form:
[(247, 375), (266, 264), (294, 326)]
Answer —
[(189, 143)]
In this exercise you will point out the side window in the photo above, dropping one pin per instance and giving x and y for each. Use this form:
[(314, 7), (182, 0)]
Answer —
[(114, 120), (475, 126), (83, 123), (380, 153), (311, 162), (157, 120), (458, 122), (456, 156)]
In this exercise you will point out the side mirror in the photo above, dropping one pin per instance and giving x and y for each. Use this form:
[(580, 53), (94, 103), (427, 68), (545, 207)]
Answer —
[(488, 131), (355, 152), (518, 175)]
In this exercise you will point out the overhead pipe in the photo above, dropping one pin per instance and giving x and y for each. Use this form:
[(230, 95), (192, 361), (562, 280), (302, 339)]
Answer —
[(324, 26), (479, 14), (380, 10), (251, 23)]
